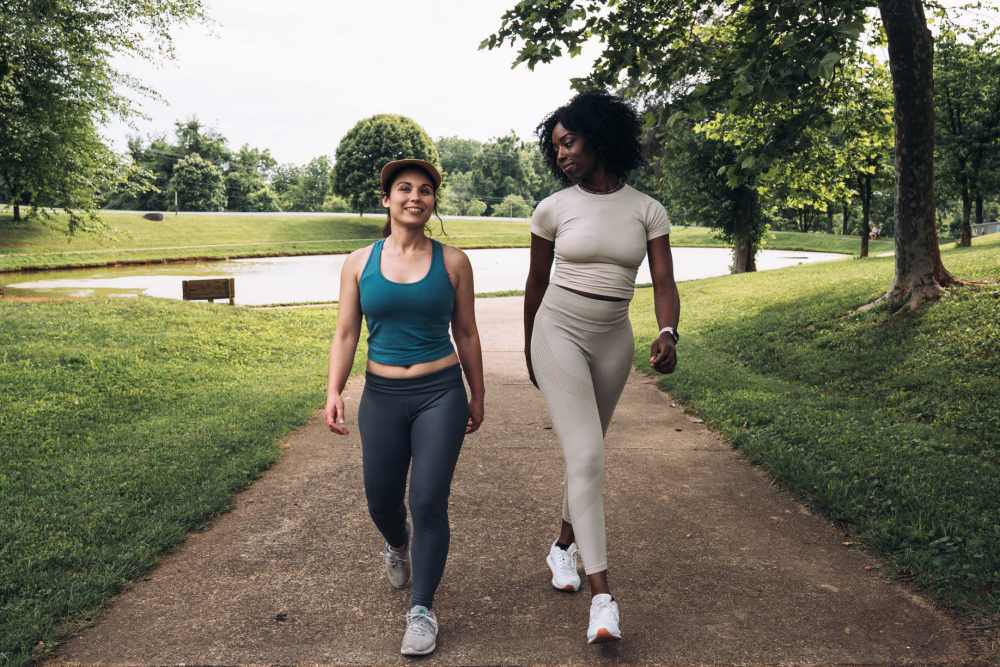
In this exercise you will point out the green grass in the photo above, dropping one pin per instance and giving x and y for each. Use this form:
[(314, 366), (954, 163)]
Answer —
[(127, 423), (889, 425), (124, 424), (129, 238)]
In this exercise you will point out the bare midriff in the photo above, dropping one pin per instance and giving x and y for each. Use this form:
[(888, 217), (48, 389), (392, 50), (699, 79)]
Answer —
[(413, 371), (599, 297)]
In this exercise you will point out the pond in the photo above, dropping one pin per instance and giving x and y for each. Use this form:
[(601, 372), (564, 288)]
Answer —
[(311, 278)]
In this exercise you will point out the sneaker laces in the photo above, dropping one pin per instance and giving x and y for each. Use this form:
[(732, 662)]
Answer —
[(565, 559), (420, 623), (392, 557)]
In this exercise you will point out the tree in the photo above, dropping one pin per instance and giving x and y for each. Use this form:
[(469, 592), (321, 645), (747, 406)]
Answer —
[(457, 194), (368, 146), (197, 185), (457, 153), (502, 168), (862, 127), (247, 187), (283, 180), (967, 95), (58, 84), (159, 157), (920, 274), (735, 55), (512, 206), (194, 137), (475, 207), (313, 185)]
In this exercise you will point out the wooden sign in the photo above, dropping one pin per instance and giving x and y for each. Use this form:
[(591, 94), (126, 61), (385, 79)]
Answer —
[(211, 289)]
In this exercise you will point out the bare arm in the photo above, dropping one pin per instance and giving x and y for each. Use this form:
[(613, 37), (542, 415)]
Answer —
[(466, 334), (542, 252), (666, 303), (344, 344)]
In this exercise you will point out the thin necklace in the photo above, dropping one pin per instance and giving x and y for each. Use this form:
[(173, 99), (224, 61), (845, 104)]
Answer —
[(621, 184)]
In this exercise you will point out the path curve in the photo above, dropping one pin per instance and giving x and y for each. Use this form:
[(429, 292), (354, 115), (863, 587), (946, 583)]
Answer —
[(711, 562)]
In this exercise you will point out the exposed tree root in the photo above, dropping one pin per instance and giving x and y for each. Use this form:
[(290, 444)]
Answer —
[(911, 298)]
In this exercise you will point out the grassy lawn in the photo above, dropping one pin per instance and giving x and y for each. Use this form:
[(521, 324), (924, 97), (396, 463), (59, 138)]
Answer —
[(130, 238), (124, 424), (890, 426)]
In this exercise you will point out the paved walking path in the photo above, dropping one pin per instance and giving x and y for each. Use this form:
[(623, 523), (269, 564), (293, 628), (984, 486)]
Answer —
[(711, 563)]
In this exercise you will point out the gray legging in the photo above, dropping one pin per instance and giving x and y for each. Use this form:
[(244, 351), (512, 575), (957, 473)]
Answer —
[(414, 425), (581, 352)]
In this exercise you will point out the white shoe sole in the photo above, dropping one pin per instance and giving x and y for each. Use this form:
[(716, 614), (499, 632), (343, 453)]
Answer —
[(412, 652), (568, 588), (604, 636)]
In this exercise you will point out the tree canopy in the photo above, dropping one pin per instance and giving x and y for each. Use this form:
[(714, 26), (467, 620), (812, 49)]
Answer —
[(775, 61), (368, 146), (58, 84)]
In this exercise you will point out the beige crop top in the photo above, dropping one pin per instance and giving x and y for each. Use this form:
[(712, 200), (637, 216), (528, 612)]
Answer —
[(600, 240)]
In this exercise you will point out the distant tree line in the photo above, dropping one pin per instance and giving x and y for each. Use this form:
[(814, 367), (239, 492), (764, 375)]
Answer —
[(197, 170)]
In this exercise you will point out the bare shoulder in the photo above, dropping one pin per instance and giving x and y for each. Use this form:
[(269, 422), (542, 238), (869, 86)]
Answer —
[(357, 258), (355, 261), (455, 259)]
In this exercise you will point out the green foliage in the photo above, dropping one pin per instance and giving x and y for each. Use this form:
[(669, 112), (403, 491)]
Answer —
[(197, 185), (58, 85), (310, 187), (475, 207), (765, 83), (504, 167), (113, 452), (194, 137), (967, 98), (247, 187), (336, 204), (910, 464), (457, 154), (367, 146), (512, 206), (457, 194)]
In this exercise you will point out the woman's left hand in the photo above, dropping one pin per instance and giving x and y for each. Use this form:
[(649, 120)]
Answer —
[(475, 415), (663, 354)]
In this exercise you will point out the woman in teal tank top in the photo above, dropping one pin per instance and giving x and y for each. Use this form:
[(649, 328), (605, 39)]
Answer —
[(414, 412)]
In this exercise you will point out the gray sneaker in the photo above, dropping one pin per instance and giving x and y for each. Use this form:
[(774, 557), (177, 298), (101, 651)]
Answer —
[(397, 565), (421, 631)]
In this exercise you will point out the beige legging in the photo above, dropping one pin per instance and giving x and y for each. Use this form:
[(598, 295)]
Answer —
[(581, 352)]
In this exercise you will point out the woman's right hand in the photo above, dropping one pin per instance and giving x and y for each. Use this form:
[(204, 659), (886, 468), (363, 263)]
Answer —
[(334, 414)]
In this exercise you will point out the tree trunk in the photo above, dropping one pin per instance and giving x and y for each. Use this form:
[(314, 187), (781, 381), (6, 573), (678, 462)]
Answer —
[(746, 238), (979, 208), (744, 256), (920, 274), (847, 219), (866, 213), (17, 211), (829, 218), (965, 240)]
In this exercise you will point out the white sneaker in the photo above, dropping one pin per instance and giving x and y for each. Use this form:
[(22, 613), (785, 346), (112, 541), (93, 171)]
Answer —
[(604, 620), (397, 565), (420, 637), (562, 562)]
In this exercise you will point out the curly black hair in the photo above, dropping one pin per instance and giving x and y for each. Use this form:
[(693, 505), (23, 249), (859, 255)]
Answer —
[(608, 124)]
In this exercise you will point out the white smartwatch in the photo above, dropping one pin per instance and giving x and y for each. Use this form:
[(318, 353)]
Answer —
[(670, 330)]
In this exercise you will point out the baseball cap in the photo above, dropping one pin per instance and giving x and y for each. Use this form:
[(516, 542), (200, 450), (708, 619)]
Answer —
[(392, 167)]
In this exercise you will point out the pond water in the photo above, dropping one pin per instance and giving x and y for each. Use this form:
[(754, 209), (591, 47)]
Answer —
[(301, 279)]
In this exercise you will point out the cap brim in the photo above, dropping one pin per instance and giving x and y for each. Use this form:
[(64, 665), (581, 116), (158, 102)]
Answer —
[(392, 167)]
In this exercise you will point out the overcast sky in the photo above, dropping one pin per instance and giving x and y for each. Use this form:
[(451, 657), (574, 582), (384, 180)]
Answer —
[(295, 75)]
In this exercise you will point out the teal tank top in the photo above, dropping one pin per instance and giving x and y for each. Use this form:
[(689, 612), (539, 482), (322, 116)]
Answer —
[(407, 322)]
